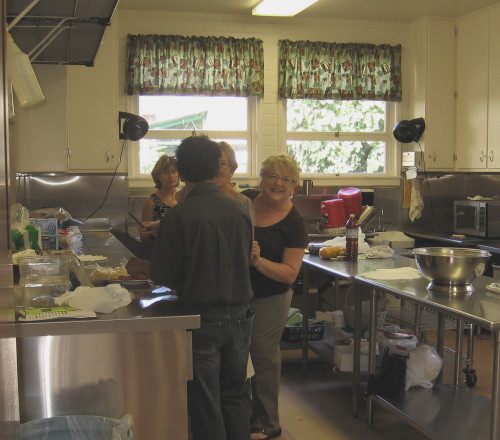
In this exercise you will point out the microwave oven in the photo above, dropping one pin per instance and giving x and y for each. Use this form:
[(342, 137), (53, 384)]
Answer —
[(480, 218)]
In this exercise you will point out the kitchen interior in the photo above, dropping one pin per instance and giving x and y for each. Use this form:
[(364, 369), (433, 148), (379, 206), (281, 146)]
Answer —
[(66, 152)]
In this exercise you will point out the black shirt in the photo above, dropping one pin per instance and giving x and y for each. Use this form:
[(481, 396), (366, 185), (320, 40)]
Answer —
[(291, 232), (203, 250)]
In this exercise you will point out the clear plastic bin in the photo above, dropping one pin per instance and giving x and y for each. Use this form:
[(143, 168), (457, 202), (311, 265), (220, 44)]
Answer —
[(76, 428)]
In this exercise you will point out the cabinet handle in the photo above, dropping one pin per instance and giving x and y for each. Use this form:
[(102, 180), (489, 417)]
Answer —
[(68, 156), (491, 156), (482, 156), (107, 155), (434, 157)]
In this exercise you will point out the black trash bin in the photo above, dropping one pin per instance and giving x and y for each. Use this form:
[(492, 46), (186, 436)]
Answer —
[(74, 428)]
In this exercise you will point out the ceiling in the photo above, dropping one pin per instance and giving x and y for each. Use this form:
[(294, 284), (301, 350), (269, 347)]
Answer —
[(379, 10)]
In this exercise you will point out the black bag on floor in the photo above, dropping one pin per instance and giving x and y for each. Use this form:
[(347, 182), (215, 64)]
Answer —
[(390, 381)]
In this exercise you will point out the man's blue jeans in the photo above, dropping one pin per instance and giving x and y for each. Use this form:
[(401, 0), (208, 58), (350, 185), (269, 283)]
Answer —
[(217, 399)]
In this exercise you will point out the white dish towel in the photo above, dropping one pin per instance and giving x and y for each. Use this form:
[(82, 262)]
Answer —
[(417, 201)]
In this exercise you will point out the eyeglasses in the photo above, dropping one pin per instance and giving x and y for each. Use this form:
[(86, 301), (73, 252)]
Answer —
[(224, 165), (275, 178)]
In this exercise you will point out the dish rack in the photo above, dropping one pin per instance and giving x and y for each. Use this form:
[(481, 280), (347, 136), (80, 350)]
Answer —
[(421, 319)]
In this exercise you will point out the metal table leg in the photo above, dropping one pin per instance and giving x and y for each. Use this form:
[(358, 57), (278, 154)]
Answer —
[(458, 351), (305, 318), (440, 342), (356, 388), (495, 397), (372, 347)]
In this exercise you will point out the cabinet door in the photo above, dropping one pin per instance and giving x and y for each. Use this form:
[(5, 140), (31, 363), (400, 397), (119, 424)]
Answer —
[(93, 125), (472, 88), (494, 91), (38, 134), (440, 115)]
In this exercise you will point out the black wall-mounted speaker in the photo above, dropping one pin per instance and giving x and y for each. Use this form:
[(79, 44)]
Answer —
[(409, 131), (132, 127)]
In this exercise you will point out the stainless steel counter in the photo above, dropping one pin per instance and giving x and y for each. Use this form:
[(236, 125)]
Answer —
[(135, 360), (467, 414)]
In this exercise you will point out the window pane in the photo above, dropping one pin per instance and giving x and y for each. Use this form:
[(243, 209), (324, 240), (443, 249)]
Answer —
[(311, 115), (151, 149), (341, 157), (194, 112)]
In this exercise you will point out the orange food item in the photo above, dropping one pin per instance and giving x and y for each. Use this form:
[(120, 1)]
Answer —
[(327, 252)]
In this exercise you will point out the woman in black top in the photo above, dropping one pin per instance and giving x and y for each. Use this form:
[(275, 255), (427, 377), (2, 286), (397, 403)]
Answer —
[(280, 240), (166, 179)]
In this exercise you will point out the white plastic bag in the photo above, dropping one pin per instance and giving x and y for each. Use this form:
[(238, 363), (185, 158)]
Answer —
[(422, 367)]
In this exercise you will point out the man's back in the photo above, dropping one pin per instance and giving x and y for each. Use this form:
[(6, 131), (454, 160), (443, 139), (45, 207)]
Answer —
[(203, 250)]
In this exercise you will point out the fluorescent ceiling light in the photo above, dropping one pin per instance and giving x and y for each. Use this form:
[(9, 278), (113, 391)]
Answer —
[(281, 8)]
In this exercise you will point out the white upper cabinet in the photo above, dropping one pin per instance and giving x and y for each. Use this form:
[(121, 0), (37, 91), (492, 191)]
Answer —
[(433, 88), (477, 106), (76, 128), (93, 125)]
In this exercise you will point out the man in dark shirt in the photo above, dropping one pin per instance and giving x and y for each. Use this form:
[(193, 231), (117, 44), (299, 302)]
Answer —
[(203, 251)]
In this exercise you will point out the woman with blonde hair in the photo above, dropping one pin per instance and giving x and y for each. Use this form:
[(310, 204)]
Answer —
[(278, 247), (166, 179)]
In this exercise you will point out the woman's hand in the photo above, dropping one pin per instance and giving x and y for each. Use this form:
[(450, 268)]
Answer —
[(148, 230), (256, 259)]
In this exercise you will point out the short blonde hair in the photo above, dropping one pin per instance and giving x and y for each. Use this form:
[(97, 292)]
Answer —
[(226, 149), (282, 163), (161, 166)]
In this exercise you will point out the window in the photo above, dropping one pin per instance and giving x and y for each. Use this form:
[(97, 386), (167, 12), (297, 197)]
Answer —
[(173, 118), (338, 137)]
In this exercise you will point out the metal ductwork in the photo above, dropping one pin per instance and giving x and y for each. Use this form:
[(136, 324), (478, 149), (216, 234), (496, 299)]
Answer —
[(59, 32)]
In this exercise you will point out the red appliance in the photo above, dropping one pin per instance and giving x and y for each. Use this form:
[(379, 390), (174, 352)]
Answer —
[(352, 200), (333, 213)]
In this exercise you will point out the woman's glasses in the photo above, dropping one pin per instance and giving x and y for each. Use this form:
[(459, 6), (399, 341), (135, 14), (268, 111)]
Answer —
[(275, 178), (223, 164)]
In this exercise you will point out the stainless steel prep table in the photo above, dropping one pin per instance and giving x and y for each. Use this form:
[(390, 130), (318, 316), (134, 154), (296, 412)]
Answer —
[(343, 270), (446, 411), (134, 360)]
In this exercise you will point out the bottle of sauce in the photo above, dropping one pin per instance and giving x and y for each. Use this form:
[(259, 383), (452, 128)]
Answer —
[(351, 235)]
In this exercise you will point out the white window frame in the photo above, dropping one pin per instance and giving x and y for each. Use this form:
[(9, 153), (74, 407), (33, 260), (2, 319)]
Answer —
[(137, 179), (391, 175)]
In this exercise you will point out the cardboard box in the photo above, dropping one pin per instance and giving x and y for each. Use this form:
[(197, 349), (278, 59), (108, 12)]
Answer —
[(343, 358)]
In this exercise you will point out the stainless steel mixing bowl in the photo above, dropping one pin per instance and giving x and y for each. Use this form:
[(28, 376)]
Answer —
[(451, 270)]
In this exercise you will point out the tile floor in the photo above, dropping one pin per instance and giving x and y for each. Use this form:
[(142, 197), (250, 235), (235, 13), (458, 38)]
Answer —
[(318, 406)]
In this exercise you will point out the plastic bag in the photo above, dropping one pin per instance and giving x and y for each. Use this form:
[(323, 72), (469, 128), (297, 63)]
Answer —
[(61, 214), (23, 233), (422, 367), (382, 251), (396, 341)]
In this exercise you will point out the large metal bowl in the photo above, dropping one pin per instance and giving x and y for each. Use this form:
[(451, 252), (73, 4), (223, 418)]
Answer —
[(451, 270)]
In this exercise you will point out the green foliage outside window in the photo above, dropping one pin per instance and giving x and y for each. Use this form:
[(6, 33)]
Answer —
[(360, 154)]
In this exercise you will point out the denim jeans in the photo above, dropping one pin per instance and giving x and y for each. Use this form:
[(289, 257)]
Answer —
[(217, 398)]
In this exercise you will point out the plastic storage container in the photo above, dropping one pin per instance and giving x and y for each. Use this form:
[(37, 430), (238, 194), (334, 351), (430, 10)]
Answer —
[(352, 200), (76, 428), (22, 75), (43, 279)]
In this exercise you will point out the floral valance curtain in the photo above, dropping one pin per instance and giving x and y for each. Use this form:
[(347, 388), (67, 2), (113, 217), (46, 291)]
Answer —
[(350, 71), (176, 65)]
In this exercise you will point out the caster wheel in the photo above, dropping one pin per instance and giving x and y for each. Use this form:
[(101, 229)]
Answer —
[(470, 378)]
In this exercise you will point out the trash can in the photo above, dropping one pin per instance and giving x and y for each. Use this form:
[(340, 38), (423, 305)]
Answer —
[(76, 428)]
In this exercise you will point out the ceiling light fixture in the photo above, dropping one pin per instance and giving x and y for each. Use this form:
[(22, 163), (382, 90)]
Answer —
[(281, 8)]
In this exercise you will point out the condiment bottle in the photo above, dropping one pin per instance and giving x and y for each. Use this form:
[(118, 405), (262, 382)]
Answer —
[(351, 235), (22, 75)]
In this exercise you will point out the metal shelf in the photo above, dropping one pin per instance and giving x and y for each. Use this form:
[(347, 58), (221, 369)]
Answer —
[(436, 414)]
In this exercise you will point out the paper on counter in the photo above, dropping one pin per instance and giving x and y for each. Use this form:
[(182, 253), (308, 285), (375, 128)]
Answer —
[(97, 299), (400, 273)]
